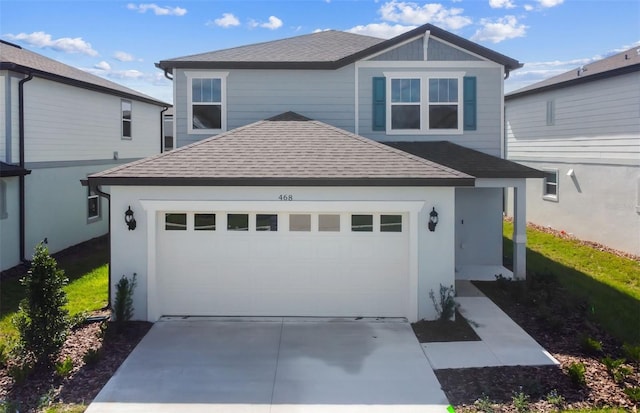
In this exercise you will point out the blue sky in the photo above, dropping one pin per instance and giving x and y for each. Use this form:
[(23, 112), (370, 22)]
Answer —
[(121, 40)]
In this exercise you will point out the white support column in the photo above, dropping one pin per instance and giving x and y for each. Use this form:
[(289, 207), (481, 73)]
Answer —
[(519, 231)]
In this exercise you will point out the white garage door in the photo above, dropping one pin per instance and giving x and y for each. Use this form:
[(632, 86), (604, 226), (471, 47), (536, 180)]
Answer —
[(227, 263)]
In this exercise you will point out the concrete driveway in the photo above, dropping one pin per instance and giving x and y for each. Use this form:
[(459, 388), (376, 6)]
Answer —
[(274, 365)]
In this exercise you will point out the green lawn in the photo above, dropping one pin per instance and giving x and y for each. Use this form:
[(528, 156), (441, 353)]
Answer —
[(87, 289), (610, 284)]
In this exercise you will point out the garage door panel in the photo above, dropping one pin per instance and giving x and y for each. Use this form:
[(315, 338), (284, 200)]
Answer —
[(282, 273)]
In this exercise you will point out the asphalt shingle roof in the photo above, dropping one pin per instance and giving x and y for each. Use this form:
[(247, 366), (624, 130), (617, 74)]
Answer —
[(13, 57), (322, 50), (288, 149), (623, 62), (469, 161)]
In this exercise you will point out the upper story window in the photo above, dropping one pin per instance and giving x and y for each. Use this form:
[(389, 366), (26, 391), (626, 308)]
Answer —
[(424, 103), (126, 107), (167, 133), (207, 102), (550, 185)]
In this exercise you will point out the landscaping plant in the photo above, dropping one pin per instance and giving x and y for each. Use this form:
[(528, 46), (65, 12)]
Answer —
[(576, 373), (123, 305), (42, 321), (64, 368), (447, 306)]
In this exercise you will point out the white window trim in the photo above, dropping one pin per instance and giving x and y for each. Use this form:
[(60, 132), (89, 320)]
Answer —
[(551, 197), (424, 102), (123, 120), (223, 96)]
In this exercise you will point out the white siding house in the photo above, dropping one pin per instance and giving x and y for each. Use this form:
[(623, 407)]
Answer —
[(582, 128), (329, 174), (59, 125)]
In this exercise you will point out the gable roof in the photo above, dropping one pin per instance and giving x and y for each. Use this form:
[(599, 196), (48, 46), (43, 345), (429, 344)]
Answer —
[(287, 150), (17, 59), (328, 50), (469, 161), (618, 64)]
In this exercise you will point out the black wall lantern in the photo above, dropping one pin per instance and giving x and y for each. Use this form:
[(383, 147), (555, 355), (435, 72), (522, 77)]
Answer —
[(130, 220), (433, 219)]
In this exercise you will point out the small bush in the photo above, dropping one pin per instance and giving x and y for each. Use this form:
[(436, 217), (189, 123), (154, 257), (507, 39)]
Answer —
[(123, 305), (64, 368), (576, 373), (91, 357), (42, 321), (20, 372), (591, 346), (616, 368), (484, 404), (555, 399), (520, 401), (446, 307), (633, 393)]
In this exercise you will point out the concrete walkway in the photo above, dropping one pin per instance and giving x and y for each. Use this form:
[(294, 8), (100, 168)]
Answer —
[(274, 366), (503, 343)]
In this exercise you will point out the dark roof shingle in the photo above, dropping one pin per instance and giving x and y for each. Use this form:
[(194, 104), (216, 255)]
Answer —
[(469, 161), (286, 150)]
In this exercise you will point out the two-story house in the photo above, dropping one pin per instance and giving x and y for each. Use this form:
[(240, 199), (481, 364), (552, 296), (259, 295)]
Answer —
[(582, 129), (59, 124), (330, 174)]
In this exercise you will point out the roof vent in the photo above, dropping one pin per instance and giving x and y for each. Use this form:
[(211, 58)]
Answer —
[(581, 70)]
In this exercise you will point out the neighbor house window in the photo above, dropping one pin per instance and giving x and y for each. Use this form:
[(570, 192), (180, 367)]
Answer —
[(423, 103), (167, 126), (266, 222), (93, 204), (206, 100), (126, 118), (204, 222), (362, 223), (550, 185), (237, 222), (175, 222)]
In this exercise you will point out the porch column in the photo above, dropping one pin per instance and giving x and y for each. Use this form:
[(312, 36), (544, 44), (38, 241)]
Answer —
[(519, 231)]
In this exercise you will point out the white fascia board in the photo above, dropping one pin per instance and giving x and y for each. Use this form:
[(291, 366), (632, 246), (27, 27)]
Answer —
[(500, 182)]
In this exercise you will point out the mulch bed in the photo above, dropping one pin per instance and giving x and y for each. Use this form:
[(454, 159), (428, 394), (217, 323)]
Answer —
[(442, 331), (43, 387)]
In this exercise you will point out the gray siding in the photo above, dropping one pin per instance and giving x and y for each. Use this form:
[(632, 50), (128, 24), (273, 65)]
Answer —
[(485, 138), (597, 122), (253, 95), (438, 51), (410, 51)]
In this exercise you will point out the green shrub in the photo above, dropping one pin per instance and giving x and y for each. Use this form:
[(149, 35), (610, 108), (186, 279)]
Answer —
[(91, 357), (20, 372), (576, 373), (64, 368), (520, 401), (123, 305), (555, 399), (591, 346), (633, 393), (484, 404), (446, 306), (42, 321), (616, 368)]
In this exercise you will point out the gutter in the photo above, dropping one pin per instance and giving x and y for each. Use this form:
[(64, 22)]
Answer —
[(21, 137)]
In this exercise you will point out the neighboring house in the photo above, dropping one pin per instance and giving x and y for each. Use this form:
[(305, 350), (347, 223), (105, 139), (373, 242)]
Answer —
[(59, 125), (582, 128), (330, 174)]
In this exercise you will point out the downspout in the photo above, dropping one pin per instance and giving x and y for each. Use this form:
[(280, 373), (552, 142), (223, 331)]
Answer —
[(165, 108), (107, 196), (166, 74), (21, 149)]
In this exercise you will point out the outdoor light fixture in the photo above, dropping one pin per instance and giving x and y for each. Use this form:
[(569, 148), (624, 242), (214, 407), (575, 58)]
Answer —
[(433, 219), (129, 219)]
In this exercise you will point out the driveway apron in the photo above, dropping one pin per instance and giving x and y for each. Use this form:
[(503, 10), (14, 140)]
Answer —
[(274, 365)]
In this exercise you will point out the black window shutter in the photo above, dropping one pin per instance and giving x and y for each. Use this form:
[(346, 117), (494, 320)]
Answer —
[(470, 103), (379, 104)]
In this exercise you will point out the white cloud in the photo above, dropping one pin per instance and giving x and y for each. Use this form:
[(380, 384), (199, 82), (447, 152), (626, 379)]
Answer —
[(381, 30), (550, 3), (274, 23), (157, 10), (528, 7), (500, 29), (123, 56), (409, 13), (43, 40), (501, 4), (103, 66), (227, 20)]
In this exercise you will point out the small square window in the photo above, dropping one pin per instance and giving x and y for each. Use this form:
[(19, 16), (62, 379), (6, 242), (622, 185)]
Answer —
[(93, 205), (204, 222), (550, 185), (362, 223), (175, 222), (329, 223), (300, 222), (390, 223), (237, 222), (266, 222)]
